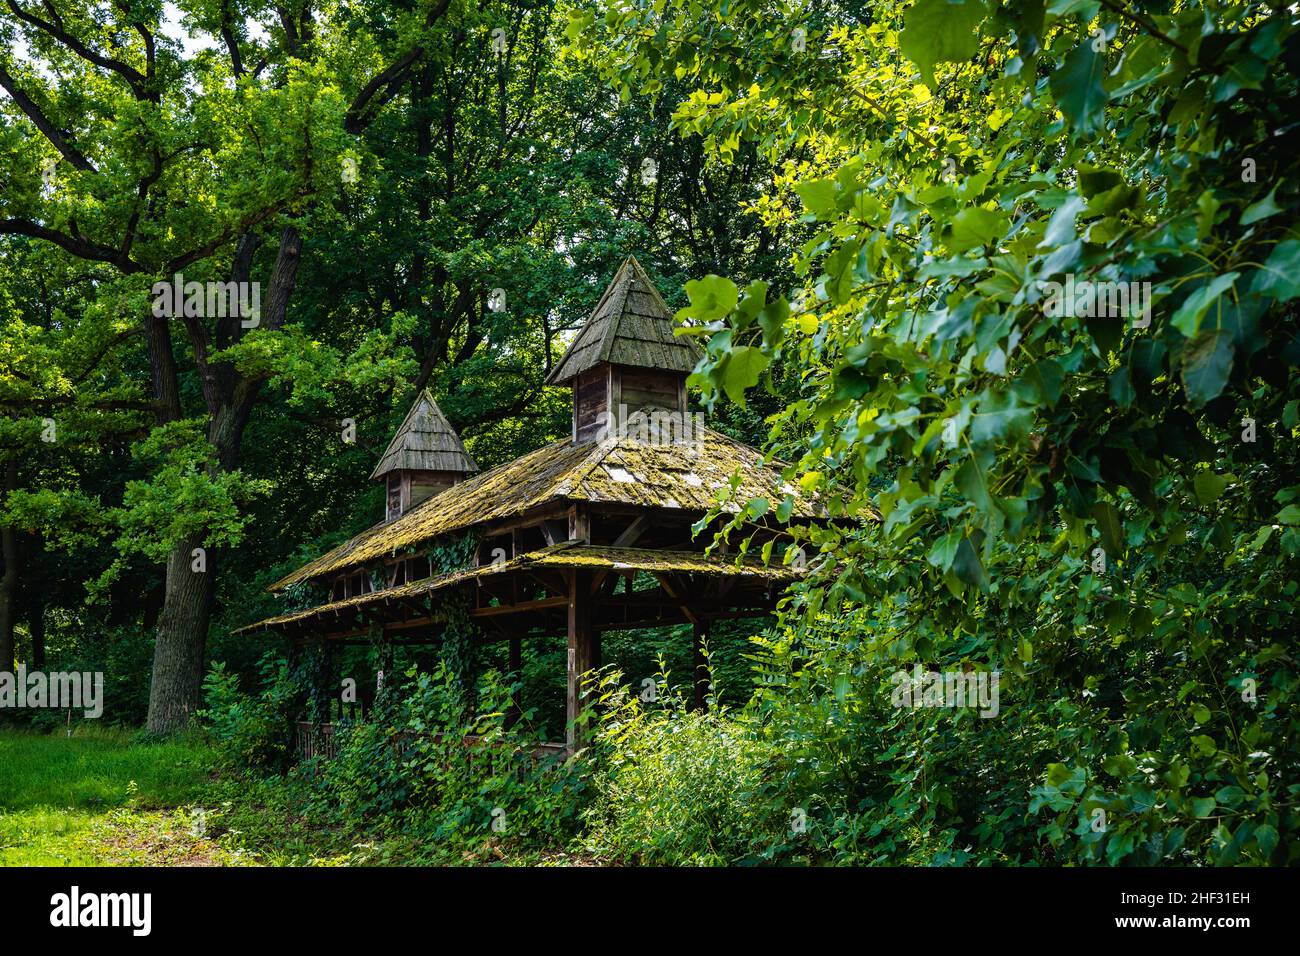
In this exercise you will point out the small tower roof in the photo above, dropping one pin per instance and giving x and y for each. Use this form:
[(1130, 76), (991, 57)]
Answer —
[(630, 326), (425, 442)]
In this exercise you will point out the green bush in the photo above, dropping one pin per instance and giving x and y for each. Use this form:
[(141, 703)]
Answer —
[(252, 731), (410, 770), (675, 787)]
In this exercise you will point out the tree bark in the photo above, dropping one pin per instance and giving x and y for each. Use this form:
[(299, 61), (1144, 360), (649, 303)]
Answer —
[(9, 580), (182, 637), (181, 642)]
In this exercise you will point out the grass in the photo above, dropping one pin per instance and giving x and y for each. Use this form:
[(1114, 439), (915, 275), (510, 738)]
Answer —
[(99, 797), (105, 797)]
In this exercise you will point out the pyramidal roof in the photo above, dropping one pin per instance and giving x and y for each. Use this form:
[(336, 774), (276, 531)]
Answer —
[(630, 325), (426, 441), (617, 471)]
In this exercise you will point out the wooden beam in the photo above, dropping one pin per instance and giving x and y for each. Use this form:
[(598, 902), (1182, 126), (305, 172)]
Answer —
[(520, 608), (677, 594), (582, 657), (633, 531), (579, 524)]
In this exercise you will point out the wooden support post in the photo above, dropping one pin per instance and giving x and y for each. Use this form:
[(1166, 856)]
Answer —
[(583, 656), (516, 675), (579, 524), (700, 666)]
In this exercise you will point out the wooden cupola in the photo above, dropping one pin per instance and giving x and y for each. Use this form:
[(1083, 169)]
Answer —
[(425, 457), (625, 358)]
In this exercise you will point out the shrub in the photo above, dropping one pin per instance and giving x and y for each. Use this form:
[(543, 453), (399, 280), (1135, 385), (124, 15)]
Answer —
[(252, 731), (675, 787), (410, 768)]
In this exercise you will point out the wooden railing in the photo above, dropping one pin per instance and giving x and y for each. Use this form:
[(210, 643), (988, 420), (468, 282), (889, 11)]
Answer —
[(317, 740)]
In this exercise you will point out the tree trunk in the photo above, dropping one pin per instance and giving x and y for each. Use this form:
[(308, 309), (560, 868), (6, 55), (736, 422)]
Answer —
[(182, 637), (9, 580)]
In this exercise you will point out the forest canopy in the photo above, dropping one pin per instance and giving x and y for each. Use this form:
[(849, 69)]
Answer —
[(1011, 286)]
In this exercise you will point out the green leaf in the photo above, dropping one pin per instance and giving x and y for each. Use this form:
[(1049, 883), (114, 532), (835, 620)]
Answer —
[(1207, 363), (1108, 523), (772, 321), (1202, 807), (1266, 839), (944, 550), (1188, 317), (820, 197), (1077, 86), (1043, 381), (976, 226), (1208, 486), (744, 366), (938, 31), (1229, 796), (967, 566), (1280, 277), (712, 298), (1263, 208), (1000, 416), (972, 481)]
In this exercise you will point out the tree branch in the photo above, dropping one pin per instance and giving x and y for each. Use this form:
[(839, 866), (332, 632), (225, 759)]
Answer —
[(34, 113), (134, 78), (76, 244), (357, 118)]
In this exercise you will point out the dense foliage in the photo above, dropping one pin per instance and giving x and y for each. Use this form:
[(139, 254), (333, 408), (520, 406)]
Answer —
[(1097, 503), (1011, 284)]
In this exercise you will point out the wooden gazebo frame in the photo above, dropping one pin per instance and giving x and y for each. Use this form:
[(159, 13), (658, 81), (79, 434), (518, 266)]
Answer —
[(561, 533)]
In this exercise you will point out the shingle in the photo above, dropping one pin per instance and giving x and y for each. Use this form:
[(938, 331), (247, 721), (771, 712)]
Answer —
[(425, 441), (630, 326), (670, 475)]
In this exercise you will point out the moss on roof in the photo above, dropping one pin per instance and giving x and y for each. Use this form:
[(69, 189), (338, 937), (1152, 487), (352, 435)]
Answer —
[(631, 325), (688, 476), (565, 555)]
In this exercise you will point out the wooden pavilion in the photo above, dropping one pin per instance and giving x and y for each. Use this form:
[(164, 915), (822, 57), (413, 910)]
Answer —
[(589, 534)]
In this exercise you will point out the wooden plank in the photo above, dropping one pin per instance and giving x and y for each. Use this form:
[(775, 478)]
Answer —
[(579, 524), (583, 656), (520, 608)]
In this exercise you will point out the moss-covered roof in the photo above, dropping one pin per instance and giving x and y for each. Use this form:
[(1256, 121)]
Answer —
[(618, 470), (631, 325), (426, 442), (565, 555)]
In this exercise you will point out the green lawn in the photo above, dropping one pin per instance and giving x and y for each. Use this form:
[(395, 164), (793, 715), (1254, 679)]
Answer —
[(103, 798), (98, 798)]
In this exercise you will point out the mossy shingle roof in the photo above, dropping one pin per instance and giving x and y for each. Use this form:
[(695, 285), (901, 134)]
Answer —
[(689, 476), (630, 326), (425, 441)]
